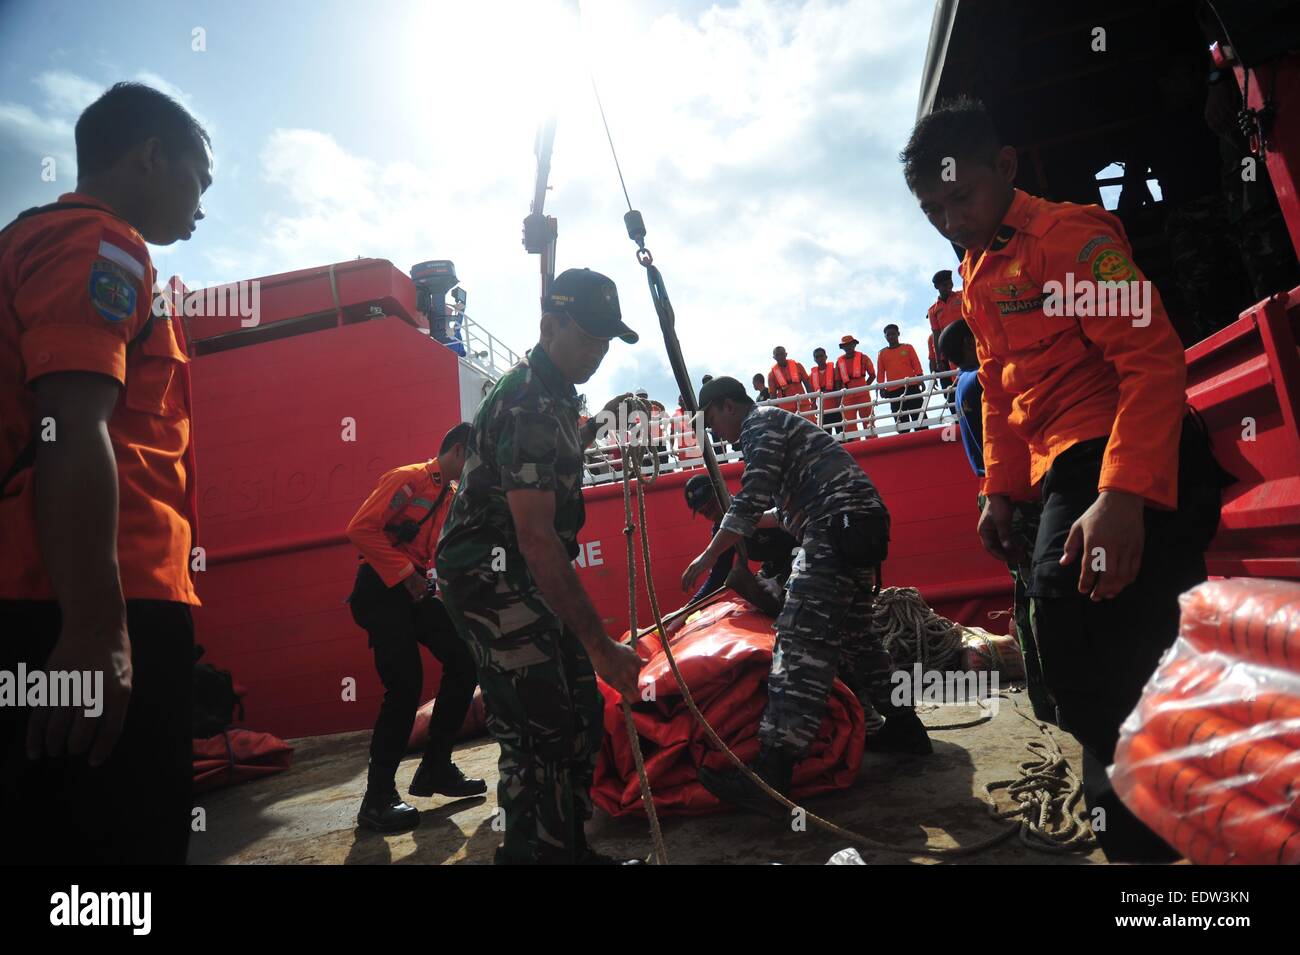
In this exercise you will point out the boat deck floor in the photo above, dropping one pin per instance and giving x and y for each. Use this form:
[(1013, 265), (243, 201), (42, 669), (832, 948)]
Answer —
[(308, 814)]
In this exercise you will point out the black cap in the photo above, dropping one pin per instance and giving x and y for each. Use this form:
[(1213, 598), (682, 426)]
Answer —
[(944, 274), (699, 491), (721, 388), (591, 300)]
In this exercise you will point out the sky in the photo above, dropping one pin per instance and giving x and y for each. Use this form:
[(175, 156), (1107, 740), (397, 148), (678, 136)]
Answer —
[(758, 139)]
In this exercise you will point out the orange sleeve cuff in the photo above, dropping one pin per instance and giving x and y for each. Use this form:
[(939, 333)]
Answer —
[(50, 348), (1158, 489)]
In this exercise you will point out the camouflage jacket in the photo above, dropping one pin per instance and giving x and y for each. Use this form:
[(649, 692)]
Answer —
[(525, 437), (795, 465)]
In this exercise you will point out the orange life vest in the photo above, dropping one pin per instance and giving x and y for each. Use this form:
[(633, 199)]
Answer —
[(791, 369), (856, 373), (815, 376)]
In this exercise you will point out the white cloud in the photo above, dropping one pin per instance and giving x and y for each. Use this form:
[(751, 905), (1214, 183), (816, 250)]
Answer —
[(67, 94)]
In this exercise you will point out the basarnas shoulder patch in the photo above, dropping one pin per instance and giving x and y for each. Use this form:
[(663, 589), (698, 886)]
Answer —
[(1090, 246), (112, 291), (1113, 266)]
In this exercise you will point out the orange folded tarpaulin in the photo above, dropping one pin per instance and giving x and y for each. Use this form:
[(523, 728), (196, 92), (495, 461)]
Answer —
[(724, 654)]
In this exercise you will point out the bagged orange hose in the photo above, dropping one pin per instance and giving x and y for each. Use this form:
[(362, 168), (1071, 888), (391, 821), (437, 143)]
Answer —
[(1210, 757), (1273, 716), (1254, 620), (1254, 832), (1225, 749), (1183, 836)]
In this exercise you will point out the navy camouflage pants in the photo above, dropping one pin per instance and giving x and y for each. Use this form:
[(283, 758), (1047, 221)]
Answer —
[(824, 630)]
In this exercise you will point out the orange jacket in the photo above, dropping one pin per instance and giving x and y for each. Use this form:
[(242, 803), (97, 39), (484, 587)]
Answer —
[(854, 371), (787, 381), (895, 364), (1053, 381), (941, 315), (405, 493), (75, 288)]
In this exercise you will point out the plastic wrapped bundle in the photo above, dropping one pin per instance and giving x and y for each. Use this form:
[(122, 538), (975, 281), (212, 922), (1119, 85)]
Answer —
[(1210, 758)]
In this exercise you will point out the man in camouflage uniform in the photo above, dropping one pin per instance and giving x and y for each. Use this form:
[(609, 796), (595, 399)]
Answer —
[(831, 508), (506, 578)]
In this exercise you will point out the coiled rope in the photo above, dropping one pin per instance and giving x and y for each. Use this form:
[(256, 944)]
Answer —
[(912, 632)]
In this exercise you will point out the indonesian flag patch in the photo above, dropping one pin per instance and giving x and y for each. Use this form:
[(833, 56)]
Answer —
[(121, 250)]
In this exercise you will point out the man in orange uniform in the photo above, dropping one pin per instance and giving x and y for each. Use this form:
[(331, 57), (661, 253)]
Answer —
[(855, 370), (1088, 411), (787, 379), (823, 378), (896, 362), (945, 311), (396, 530), (97, 499), (941, 314)]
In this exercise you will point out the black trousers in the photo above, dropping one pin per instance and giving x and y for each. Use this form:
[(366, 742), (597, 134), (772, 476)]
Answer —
[(906, 410), (135, 807), (398, 626), (1097, 656)]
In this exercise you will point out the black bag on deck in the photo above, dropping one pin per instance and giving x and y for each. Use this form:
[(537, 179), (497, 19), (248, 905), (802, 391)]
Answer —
[(215, 699)]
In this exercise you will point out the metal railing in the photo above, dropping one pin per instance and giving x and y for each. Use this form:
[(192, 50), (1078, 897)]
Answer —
[(926, 402), (483, 350)]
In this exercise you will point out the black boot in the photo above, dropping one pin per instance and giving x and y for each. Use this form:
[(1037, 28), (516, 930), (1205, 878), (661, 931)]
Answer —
[(438, 774), (772, 766), (384, 811), (445, 779), (903, 732), (584, 854)]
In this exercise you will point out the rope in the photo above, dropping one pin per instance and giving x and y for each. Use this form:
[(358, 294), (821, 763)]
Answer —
[(1048, 797), (613, 152), (912, 632), (632, 456)]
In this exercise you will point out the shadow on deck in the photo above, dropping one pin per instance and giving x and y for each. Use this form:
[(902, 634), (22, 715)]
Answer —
[(308, 814)]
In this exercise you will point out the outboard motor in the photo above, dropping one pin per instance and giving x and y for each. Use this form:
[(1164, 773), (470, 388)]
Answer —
[(432, 280)]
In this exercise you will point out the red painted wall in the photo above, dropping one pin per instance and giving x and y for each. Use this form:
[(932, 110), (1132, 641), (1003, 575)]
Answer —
[(277, 486)]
